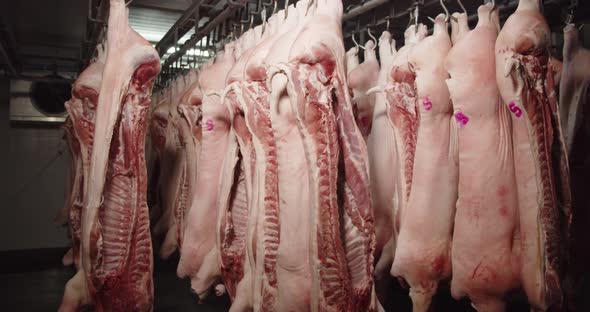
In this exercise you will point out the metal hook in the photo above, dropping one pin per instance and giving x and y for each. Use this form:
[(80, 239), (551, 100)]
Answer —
[(311, 2), (286, 9), (411, 18), (128, 3), (92, 19), (442, 3), (356, 44), (372, 37), (462, 6)]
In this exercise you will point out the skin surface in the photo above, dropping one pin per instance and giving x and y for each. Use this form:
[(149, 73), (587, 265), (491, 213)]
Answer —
[(485, 243), (381, 148), (360, 80), (119, 275), (199, 235), (82, 111), (525, 81), (423, 252)]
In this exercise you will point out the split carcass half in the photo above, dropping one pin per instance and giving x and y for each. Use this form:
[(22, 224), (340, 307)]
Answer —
[(423, 251), (525, 81), (116, 250), (486, 230), (82, 113), (342, 243)]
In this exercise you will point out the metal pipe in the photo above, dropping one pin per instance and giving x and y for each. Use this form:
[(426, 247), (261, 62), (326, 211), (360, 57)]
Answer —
[(90, 18), (163, 45), (222, 16), (7, 59), (473, 17), (367, 6)]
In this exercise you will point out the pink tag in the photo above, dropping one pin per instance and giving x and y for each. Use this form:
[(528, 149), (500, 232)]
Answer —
[(209, 124), (515, 109), (461, 119), (427, 104)]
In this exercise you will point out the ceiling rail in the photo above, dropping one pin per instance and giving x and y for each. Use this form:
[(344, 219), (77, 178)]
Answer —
[(177, 30), (204, 31)]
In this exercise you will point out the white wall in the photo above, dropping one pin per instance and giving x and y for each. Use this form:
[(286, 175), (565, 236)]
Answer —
[(32, 183)]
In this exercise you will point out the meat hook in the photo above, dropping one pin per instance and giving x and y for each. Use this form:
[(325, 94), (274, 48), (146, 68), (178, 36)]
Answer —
[(462, 7), (411, 18), (286, 9), (311, 2), (356, 44), (273, 3), (92, 19), (128, 2), (372, 37), (442, 3)]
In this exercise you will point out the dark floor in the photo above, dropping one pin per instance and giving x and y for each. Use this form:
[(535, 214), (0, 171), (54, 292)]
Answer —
[(40, 289), (32, 283)]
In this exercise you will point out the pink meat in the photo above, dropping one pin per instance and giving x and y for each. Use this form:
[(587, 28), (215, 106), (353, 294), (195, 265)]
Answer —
[(362, 78), (293, 263), (381, 148), (423, 251), (459, 27), (82, 113), (485, 238), (173, 176), (382, 154), (189, 125), (542, 174), (403, 114), (116, 245), (199, 234), (326, 124)]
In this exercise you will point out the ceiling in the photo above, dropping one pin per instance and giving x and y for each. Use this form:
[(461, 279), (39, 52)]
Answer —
[(51, 37)]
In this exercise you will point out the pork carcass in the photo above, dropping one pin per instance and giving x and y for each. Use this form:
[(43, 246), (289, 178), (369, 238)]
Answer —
[(485, 239), (292, 267), (256, 223), (423, 251), (381, 150), (172, 167), (573, 88), (188, 124), (341, 254), (542, 175), (157, 130), (352, 60), (401, 108), (237, 218), (82, 113), (115, 244), (362, 78), (459, 27), (199, 233)]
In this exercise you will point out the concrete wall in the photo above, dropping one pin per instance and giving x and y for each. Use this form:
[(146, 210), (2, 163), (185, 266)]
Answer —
[(33, 162)]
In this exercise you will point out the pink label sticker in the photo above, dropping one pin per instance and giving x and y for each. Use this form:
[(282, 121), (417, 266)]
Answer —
[(515, 109), (461, 119), (209, 124), (427, 104)]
